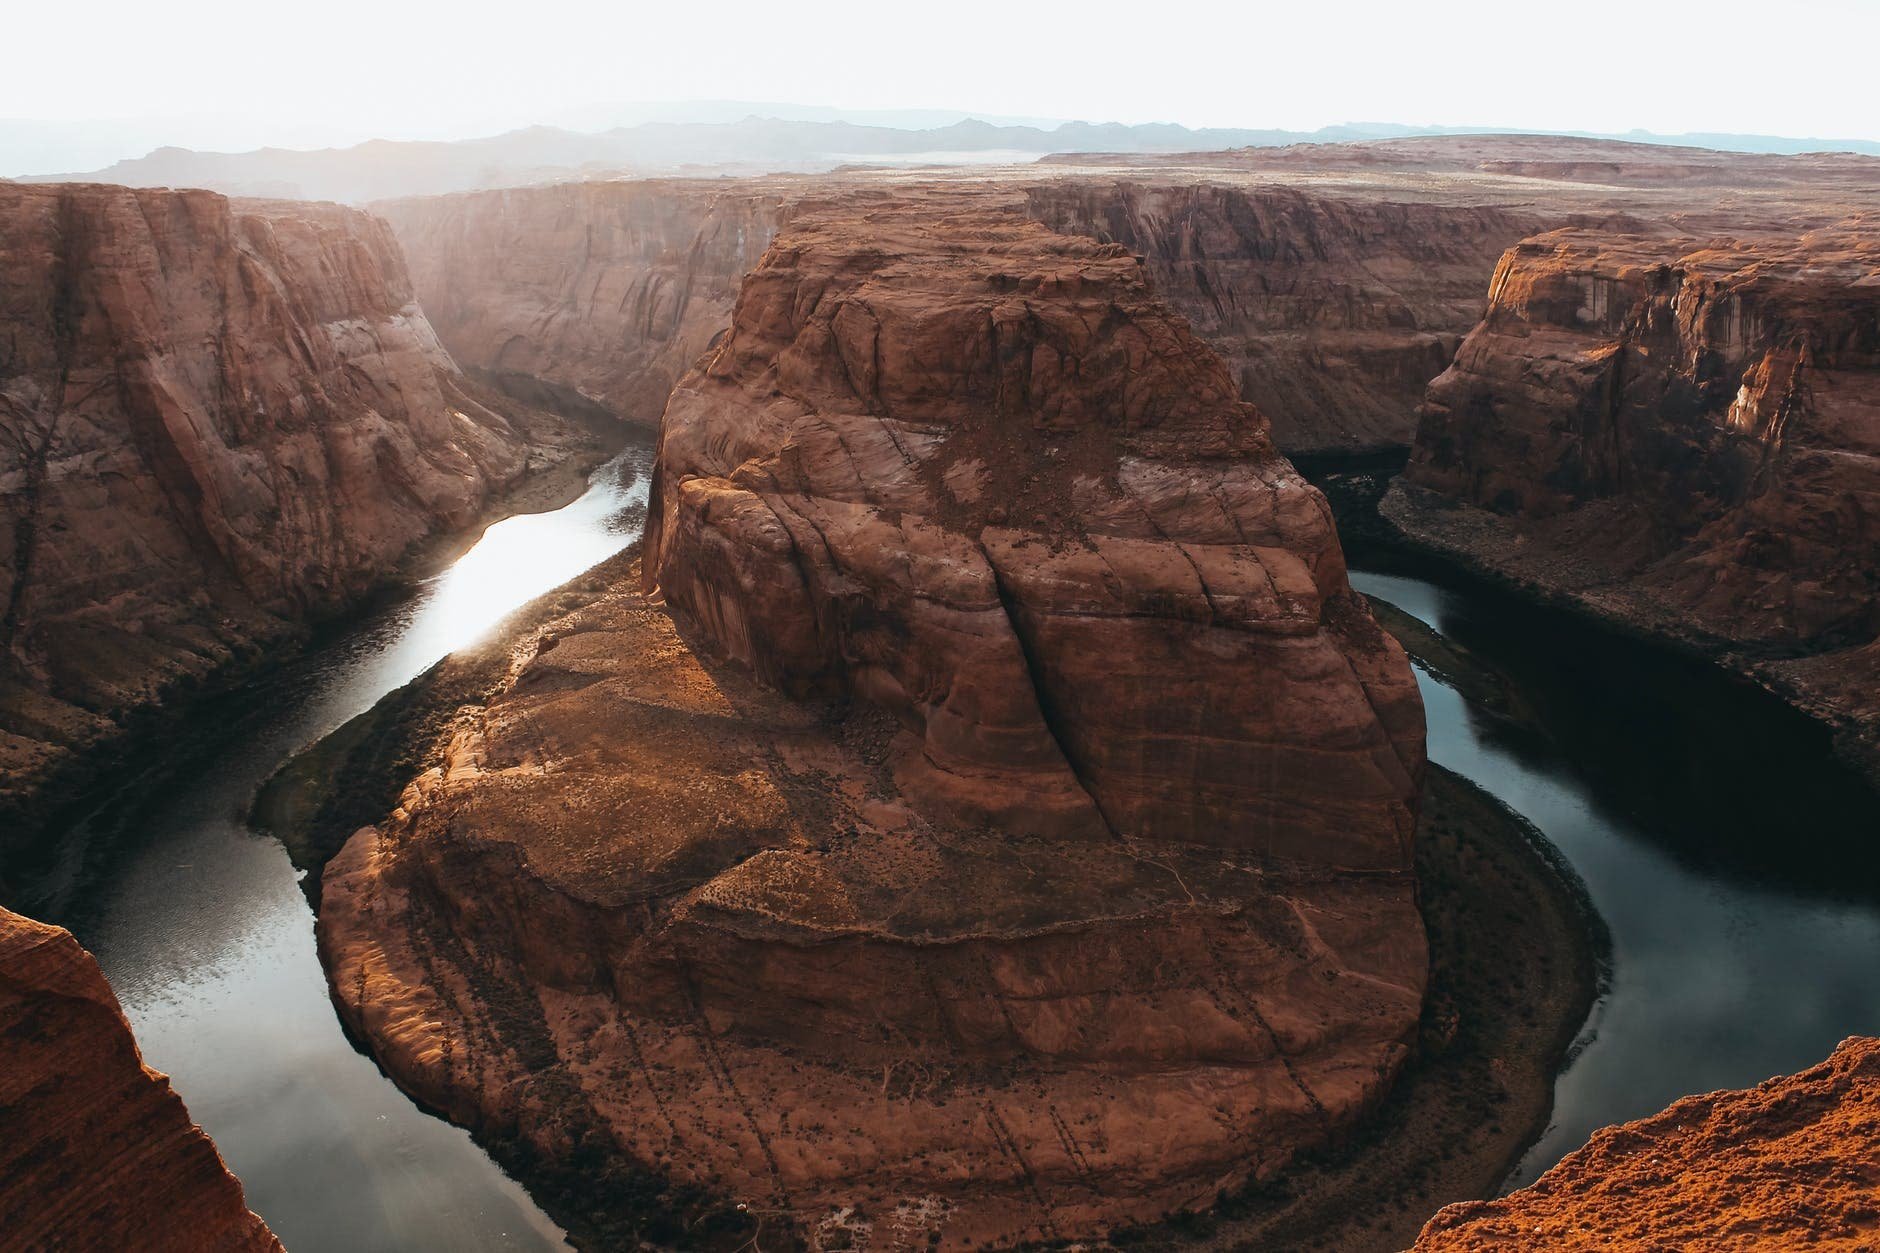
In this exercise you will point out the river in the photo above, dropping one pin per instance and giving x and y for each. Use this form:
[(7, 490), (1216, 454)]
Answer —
[(201, 925), (1737, 867)]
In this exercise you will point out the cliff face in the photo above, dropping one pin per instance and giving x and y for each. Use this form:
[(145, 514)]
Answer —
[(216, 418), (1685, 434), (96, 1151), (1006, 831), (603, 291), (1791, 1163), (1333, 314)]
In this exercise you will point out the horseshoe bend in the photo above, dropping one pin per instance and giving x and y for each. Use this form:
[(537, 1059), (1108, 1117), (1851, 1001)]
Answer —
[(909, 841)]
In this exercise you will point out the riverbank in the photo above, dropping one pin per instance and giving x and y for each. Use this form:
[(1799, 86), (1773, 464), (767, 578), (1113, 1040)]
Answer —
[(187, 716), (1835, 687)]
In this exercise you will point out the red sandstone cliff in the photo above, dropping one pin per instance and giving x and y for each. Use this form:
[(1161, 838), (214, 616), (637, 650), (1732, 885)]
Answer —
[(96, 1151), (1006, 832), (1333, 313), (1791, 1163), (216, 419), (604, 291), (1681, 433)]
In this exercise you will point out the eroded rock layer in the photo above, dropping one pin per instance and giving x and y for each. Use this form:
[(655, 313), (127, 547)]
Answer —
[(1792, 1163), (1682, 433), (1003, 827), (96, 1151), (603, 291), (1333, 313), (216, 418)]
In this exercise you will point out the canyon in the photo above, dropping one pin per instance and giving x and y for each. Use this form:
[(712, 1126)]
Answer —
[(219, 421), (74, 1081), (1682, 434), (858, 866), (981, 810)]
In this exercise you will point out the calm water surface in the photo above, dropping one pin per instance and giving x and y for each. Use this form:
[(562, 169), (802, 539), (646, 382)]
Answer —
[(203, 930), (1735, 864)]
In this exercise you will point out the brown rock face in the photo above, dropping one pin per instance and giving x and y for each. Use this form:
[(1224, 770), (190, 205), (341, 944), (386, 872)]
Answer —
[(1006, 834), (1684, 433), (96, 1151), (216, 419), (1333, 313), (1791, 1163), (602, 291)]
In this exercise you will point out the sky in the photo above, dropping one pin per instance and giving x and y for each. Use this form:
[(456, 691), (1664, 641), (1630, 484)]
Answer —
[(233, 74)]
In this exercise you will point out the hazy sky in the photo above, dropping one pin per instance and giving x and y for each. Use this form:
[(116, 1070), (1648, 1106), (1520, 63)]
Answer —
[(334, 71)]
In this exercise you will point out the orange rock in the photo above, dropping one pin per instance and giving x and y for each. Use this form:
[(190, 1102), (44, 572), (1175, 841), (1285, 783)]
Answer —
[(96, 1151), (217, 419), (1006, 834), (1791, 1163)]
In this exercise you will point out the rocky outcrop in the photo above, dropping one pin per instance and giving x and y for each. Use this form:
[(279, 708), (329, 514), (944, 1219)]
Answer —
[(1003, 828), (96, 1151), (1680, 433), (217, 419), (1333, 313), (1791, 1163), (602, 292)]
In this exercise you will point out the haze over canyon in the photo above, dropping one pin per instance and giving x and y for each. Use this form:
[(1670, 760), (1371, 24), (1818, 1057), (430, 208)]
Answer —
[(846, 679)]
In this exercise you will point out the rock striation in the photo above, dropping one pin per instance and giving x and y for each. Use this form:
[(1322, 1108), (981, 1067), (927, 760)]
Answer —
[(992, 817), (603, 293), (1791, 1163), (1333, 313), (1680, 433), (217, 420), (96, 1151)]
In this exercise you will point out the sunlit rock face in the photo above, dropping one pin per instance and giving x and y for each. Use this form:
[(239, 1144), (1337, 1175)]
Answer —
[(992, 813), (1684, 432), (217, 418), (1333, 313), (602, 292), (1792, 1163), (96, 1151)]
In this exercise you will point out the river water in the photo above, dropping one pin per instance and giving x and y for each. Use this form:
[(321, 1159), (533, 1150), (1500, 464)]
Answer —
[(1735, 864), (1737, 867), (201, 926)]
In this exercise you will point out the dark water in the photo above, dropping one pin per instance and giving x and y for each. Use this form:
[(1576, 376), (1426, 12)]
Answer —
[(201, 926), (1737, 866)]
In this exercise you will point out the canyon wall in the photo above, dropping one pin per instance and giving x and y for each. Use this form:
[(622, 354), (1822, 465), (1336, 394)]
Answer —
[(989, 820), (96, 1151), (1680, 433), (605, 292), (217, 419), (1333, 313), (1791, 1163)]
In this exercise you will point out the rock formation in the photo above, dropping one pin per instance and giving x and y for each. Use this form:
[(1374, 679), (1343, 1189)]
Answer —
[(1334, 313), (216, 419), (1003, 828), (602, 292), (96, 1151), (1682, 433), (1791, 1163)]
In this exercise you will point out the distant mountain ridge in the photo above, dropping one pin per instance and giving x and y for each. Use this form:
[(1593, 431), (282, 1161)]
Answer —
[(381, 169)]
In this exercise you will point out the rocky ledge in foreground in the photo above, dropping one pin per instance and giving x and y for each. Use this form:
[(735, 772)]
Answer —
[(217, 420), (1683, 435), (96, 1151), (1791, 1163), (994, 819)]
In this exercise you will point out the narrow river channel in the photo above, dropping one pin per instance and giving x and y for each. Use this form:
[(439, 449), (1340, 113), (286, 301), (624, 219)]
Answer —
[(1735, 863), (201, 925)]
